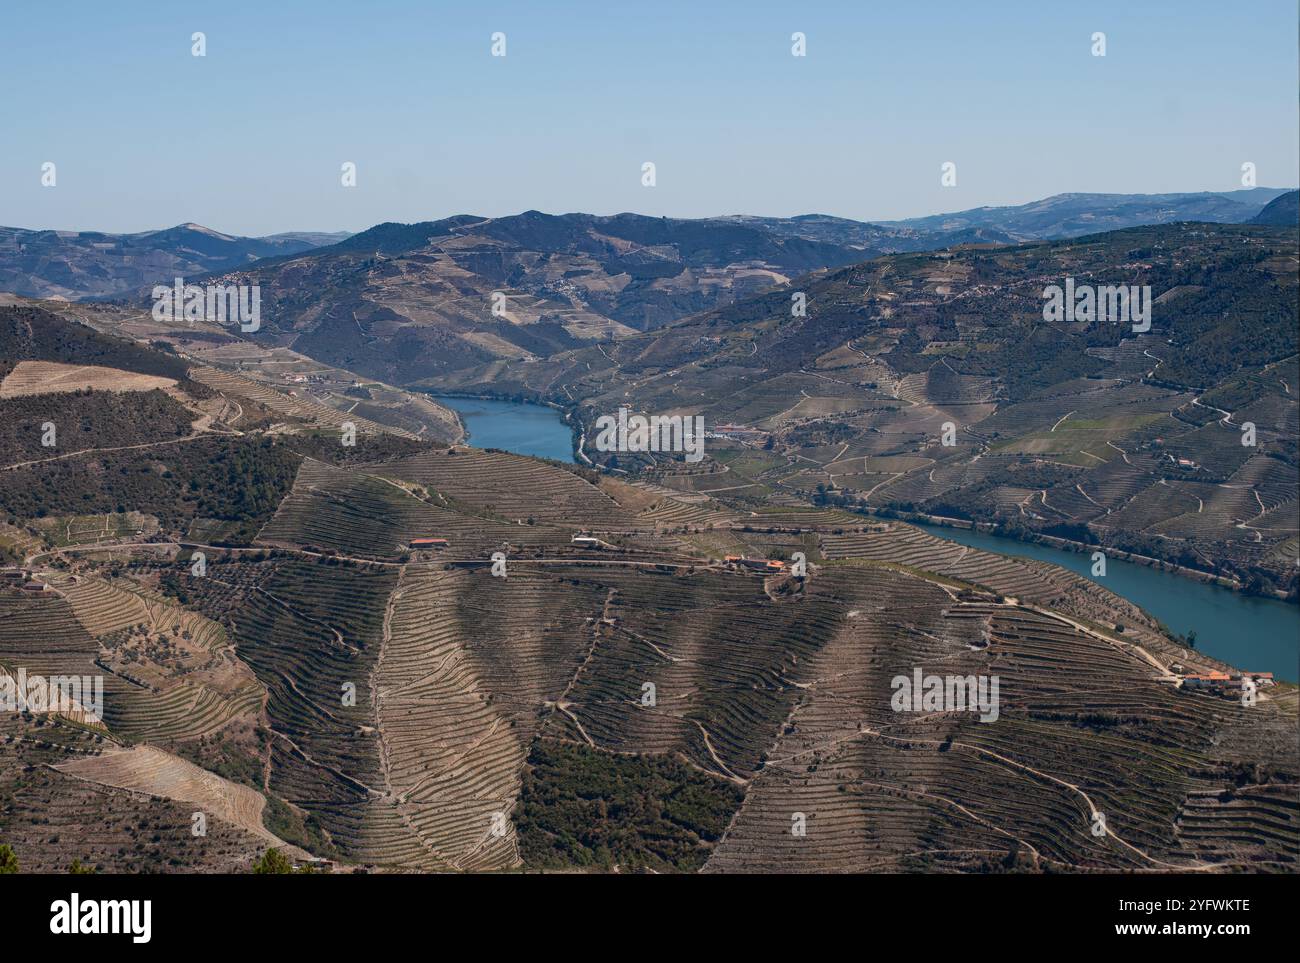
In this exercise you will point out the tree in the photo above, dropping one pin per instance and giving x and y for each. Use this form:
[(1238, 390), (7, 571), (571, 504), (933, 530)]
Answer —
[(273, 862), (8, 860), (78, 868)]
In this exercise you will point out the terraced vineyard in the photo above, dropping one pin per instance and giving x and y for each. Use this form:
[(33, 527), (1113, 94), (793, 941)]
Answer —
[(149, 771), (515, 488), (52, 818), (776, 689), (599, 671), (284, 405)]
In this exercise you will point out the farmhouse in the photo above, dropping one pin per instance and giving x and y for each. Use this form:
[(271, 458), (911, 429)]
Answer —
[(318, 863), (585, 540), (1211, 681), (756, 564), (1224, 684), (417, 543)]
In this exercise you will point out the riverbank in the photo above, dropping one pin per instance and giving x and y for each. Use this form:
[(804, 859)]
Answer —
[(1249, 632), (1067, 545)]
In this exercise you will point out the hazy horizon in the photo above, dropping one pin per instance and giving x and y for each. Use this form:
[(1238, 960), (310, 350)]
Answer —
[(702, 217), (250, 138)]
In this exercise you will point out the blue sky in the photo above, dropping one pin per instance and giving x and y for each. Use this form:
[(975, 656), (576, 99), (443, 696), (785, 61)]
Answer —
[(250, 138)]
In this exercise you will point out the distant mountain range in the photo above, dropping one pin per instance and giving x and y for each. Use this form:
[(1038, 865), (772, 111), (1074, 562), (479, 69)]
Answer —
[(1072, 215), (94, 264), (85, 264), (407, 302)]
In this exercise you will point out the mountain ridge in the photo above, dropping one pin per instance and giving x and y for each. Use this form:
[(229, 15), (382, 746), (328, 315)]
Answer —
[(1076, 213), (84, 264), (1282, 211)]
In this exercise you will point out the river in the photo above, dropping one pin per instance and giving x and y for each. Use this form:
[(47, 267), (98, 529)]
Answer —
[(520, 427), (1261, 635)]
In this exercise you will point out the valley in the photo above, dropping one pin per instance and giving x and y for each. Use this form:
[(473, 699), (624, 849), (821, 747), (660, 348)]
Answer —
[(361, 586), (382, 704), (574, 442), (930, 384)]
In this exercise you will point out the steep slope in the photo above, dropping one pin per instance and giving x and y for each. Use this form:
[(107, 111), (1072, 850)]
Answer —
[(636, 703), (1282, 211), (402, 302)]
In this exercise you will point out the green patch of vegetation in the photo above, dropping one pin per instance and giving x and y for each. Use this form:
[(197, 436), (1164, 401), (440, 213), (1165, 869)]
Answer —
[(1114, 424), (751, 464), (950, 349), (238, 480), (1232, 395), (219, 755), (293, 826), (87, 419), (584, 808), (323, 445), (275, 863)]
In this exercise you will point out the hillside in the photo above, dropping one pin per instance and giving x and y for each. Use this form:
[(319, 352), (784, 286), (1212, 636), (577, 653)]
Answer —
[(80, 264), (1282, 211), (199, 450), (1086, 431), (410, 711), (402, 302), (30, 333), (407, 302), (258, 385)]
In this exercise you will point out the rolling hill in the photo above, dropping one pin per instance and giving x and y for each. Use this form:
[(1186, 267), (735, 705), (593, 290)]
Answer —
[(403, 302), (1282, 211), (1084, 431), (82, 264)]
